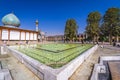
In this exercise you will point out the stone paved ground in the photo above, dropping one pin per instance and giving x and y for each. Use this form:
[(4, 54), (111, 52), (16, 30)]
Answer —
[(115, 70), (18, 70), (85, 70)]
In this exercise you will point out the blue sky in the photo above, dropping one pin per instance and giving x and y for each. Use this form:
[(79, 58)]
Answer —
[(52, 14)]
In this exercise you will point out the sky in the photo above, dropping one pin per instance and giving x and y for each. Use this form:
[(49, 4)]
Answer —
[(53, 14)]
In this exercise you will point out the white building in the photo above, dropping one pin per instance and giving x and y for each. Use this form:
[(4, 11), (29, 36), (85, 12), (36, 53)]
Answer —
[(12, 34)]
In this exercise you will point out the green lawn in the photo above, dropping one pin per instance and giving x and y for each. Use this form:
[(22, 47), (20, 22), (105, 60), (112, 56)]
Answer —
[(55, 55)]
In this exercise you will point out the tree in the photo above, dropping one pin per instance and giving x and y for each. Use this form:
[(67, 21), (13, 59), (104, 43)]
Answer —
[(71, 30), (103, 33), (111, 20), (93, 22), (116, 32)]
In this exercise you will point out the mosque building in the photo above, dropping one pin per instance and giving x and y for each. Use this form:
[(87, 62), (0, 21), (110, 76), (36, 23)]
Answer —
[(12, 34)]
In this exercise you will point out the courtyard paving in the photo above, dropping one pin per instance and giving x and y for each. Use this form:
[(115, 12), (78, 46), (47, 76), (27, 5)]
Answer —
[(17, 69), (20, 72), (85, 70)]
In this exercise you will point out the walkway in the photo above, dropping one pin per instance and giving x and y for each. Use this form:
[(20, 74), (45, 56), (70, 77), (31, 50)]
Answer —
[(85, 70), (18, 70), (115, 70)]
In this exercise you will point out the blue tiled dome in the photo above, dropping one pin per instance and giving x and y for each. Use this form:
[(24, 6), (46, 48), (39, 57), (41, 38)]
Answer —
[(11, 20)]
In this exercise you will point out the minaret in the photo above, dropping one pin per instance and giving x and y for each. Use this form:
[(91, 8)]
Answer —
[(36, 23)]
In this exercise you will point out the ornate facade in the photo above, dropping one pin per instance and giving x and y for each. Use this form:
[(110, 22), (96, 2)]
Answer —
[(10, 33)]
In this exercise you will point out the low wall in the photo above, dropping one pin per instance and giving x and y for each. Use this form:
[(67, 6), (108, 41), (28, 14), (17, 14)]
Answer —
[(71, 67), (100, 68), (0, 66), (2, 50), (108, 58), (47, 73), (4, 73)]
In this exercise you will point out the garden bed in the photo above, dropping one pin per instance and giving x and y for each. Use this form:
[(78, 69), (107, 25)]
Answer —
[(54, 55), (45, 72)]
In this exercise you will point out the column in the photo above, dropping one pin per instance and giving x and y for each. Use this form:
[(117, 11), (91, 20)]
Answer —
[(8, 35), (1, 36)]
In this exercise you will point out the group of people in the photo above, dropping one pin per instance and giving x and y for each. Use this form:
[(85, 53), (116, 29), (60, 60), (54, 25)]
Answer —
[(116, 44), (5, 42)]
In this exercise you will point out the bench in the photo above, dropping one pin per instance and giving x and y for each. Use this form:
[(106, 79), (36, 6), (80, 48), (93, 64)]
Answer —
[(114, 70)]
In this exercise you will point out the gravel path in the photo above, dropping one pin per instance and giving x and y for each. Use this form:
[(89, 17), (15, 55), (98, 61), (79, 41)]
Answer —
[(85, 70)]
